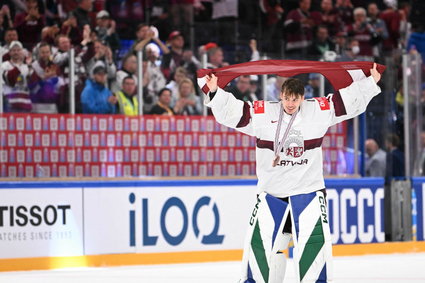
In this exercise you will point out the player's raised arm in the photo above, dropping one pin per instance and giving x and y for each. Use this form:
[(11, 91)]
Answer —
[(352, 100), (228, 110), (211, 82)]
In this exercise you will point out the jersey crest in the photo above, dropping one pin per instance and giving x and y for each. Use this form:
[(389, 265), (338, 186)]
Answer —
[(294, 144), (323, 103), (259, 107)]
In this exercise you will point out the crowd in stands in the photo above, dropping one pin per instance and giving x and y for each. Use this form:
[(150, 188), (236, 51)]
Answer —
[(36, 36)]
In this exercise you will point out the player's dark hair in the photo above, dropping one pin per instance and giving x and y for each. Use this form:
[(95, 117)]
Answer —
[(293, 87)]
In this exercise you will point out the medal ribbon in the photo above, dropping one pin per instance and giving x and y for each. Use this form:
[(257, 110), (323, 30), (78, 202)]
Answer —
[(277, 146)]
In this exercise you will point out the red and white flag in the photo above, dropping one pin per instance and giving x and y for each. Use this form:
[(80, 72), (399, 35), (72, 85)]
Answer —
[(339, 74)]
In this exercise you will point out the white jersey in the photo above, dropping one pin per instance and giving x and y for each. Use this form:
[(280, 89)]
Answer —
[(300, 169)]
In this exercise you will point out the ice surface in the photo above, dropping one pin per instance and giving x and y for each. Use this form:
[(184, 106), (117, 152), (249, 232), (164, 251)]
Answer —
[(399, 268)]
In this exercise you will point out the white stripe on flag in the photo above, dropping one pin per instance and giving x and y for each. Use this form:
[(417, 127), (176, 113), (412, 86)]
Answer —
[(201, 82), (356, 75)]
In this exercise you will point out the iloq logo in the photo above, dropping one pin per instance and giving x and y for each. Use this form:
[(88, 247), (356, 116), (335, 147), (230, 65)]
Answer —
[(190, 219)]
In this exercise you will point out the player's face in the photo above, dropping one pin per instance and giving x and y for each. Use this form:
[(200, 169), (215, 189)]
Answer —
[(291, 103)]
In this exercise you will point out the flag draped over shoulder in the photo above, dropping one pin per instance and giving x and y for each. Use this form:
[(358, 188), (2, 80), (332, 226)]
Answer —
[(339, 74)]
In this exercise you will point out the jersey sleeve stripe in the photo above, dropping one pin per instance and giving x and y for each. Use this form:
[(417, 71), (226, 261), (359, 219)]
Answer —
[(246, 116), (338, 104)]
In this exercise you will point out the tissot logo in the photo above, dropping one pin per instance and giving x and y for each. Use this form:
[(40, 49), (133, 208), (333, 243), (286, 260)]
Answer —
[(33, 215)]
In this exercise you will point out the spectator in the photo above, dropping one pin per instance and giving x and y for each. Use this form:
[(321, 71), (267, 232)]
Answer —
[(182, 15), (5, 21), (242, 89), (273, 88), (46, 86), (363, 32), (321, 43), (96, 98), (416, 43), (156, 78), (15, 73), (179, 75), (48, 35), (187, 103), (70, 28), (129, 68), (351, 52), (81, 13), (345, 11), (254, 89), (312, 89), (127, 98), (330, 17), (376, 159), (10, 35), (105, 30), (225, 13), (272, 11), (299, 26), (102, 56), (392, 18), (127, 13), (340, 42), (160, 18), (83, 52), (174, 58), (144, 35), (29, 24), (395, 157), (378, 26), (163, 106), (216, 58)]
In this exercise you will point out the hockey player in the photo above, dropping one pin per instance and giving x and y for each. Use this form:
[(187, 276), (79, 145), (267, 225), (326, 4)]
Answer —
[(291, 189)]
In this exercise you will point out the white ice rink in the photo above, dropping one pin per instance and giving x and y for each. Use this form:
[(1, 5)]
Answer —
[(398, 268)]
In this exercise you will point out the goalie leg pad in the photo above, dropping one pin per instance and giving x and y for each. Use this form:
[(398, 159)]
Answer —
[(262, 260), (312, 238)]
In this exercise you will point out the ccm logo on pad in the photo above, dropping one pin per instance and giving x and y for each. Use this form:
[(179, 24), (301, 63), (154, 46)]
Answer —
[(258, 107), (323, 103)]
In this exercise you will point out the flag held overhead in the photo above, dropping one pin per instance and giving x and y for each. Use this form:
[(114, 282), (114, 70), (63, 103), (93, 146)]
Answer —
[(339, 74)]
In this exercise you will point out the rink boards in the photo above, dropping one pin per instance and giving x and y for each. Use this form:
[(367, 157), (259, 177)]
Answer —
[(61, 224)]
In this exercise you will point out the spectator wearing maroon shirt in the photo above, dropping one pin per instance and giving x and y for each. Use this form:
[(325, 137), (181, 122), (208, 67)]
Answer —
[(345, 11), (392, 18), (330, 17), (299, 26), (363, 32), (82, 53), (174, 58), (29, 25)]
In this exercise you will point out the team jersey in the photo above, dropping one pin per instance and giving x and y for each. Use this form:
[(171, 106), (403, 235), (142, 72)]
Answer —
[(300, 169)]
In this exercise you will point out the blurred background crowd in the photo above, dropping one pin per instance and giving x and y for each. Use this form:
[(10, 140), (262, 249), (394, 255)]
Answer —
[(171, 39), (36, 36)]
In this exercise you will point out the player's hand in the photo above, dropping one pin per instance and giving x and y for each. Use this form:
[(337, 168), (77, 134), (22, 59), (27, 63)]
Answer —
[(211, 82), (375, 74)]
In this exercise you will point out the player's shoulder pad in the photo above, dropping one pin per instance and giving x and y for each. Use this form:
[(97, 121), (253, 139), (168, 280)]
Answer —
[(323, 103), (259, 107)]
